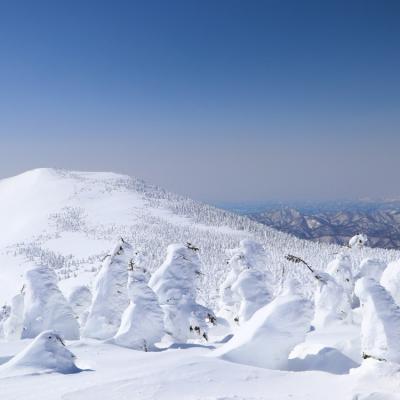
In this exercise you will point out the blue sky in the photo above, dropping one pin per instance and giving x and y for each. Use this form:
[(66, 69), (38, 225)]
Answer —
[(220, 100)]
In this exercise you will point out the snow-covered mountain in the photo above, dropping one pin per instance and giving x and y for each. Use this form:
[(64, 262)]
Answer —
[(337, 222), (70, 220)]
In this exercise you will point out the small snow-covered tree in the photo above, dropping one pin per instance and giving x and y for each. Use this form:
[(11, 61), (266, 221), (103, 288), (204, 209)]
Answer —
[(45, 307), (80, 299), (380, 328), (175, 284), (358, 241), (110, 297), (13, 325), (142, 323), (46, 352), (390, 280), (371, 268), (269, 336), (5, 312), (247, 287)]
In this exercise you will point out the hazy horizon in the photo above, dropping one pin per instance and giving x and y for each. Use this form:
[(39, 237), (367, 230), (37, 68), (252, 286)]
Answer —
[(222, 101)]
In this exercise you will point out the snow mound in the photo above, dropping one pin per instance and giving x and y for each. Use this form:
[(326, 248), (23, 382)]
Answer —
[(46, 353), (267, 339)]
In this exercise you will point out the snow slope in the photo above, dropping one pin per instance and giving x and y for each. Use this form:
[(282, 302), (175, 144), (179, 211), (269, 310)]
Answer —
[(69, 220)]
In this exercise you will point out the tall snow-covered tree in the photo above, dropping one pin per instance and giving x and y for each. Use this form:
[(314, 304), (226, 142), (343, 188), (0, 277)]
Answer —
[(175, 284), (142, 323), (331, 301), (390, 280), (110, 297), (380, 328), (45, 307), (247, 287)]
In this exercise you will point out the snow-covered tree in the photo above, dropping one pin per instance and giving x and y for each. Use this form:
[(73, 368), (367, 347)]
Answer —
[(390, 280), (380, 328), (142, 323), (371, 268), (5, 312), (269, 336), (341, 270), (331, 300), (247, 287), (46, 352), (12, 326), (175, 284), (358, 241), (80, 299), (45, 307), (110, 297)]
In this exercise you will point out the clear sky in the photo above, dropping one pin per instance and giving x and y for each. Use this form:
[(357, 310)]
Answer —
[(220, 100)]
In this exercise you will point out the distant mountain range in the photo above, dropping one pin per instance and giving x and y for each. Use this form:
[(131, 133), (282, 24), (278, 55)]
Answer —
[(331, 222)]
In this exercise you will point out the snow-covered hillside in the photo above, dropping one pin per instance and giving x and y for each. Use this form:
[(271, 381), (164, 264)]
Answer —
[(136, 333), (70, 220)]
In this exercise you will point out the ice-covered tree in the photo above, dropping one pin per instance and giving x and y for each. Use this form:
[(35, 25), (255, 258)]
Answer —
[(110, 297), (269, 336), (380, 328), (45, 307), (341, 270), (331, 300), (390, 280), (247, 287), (5, 312), (371, 268), (142, 323), (358, 241), (13, 325), (80, 299), (175, 284)]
